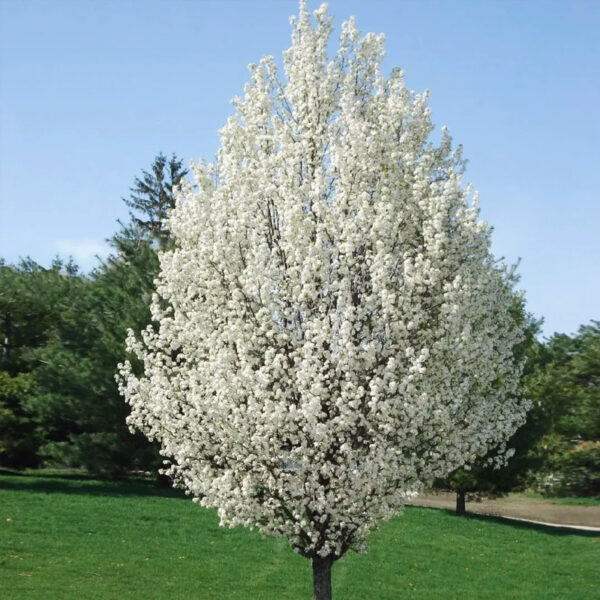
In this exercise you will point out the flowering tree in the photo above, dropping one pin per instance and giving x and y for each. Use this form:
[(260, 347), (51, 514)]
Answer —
[(331, 331)]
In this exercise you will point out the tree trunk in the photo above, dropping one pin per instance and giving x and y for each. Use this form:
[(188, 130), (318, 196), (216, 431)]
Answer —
[(460, 504), (162, 482), (322, 578)]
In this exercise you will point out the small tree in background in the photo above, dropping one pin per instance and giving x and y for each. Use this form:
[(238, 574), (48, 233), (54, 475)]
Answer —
[(488, 476), (332, 330)]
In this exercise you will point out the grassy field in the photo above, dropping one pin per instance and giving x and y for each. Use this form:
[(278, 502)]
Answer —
[(70, 537)]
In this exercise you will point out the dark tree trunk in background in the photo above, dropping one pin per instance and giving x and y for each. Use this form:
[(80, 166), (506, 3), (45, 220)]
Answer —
[(460, 504), (162, 482), (322, 578)]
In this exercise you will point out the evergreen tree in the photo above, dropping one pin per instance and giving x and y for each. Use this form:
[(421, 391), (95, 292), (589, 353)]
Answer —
[(152, 196), (566, 390), (34, 305), (77, 366)]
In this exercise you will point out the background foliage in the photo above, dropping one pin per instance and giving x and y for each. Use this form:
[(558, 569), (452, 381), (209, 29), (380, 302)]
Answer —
[(62, 334)]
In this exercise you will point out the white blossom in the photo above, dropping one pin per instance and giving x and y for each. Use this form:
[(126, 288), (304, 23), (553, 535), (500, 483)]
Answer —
[(331, 331)]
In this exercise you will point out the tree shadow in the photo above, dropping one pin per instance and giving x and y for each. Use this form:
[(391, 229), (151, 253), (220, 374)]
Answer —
[(82, 484), (521, 525)]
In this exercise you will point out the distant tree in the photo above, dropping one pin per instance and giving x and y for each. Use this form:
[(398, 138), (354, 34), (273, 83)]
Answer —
[(487, 477), (330, 330), (152, 197), (19, 438), (32, 301), (566, 390)]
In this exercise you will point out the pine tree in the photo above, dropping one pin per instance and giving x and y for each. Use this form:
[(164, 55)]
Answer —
[(152, 197)]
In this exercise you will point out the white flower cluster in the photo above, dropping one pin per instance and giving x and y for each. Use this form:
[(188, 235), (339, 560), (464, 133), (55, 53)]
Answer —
[(331, 331)]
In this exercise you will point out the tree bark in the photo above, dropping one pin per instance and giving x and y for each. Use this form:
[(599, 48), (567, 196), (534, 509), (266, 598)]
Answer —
[(322, 578), (460, 504)]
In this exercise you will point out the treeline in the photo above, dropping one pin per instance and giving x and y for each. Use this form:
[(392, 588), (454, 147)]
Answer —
[(62, 334)]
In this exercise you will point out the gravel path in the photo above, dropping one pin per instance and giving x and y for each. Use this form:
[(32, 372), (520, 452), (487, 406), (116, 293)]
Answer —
[(515, 506)]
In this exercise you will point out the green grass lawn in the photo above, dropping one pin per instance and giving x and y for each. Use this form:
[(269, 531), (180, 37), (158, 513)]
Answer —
[(70, 537)]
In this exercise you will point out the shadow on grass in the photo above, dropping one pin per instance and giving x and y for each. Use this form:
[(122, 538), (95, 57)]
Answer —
[(70, 482), (82, 483), (515, 524)]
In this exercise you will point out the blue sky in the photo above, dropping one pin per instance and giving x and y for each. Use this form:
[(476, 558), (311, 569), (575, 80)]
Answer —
[(91, 91)]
